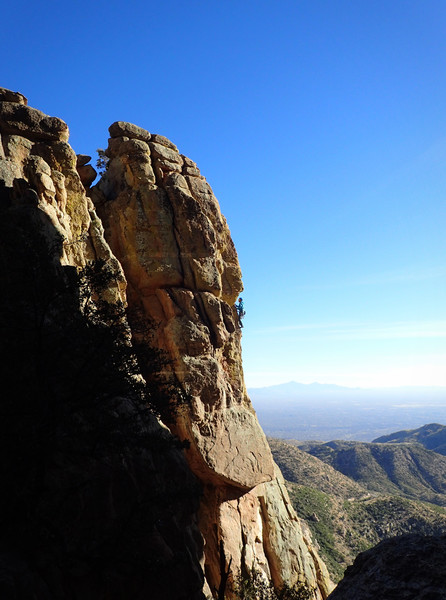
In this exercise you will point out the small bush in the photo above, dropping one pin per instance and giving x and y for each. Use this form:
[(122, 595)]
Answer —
[(102, 161), (254, 586)]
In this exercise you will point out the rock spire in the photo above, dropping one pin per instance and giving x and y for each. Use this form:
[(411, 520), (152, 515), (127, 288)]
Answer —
[(164, 225)]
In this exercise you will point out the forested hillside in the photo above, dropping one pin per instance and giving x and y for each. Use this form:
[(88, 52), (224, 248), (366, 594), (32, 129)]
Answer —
[(346, 517), (408, 470), (432, 437)]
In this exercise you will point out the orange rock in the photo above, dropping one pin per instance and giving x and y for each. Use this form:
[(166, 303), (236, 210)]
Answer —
[(183, 271)]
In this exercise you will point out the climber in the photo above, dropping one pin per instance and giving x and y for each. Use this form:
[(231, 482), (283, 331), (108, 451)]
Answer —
[(240, 311)]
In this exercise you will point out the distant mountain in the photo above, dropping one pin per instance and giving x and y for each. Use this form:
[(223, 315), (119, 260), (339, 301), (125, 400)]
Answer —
[(344, 517), (326, 412), (404, 469), (432, 437), (292, 389)]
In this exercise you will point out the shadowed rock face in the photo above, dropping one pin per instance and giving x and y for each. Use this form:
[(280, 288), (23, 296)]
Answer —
[(404, 568), (165, 226), (79, 520)]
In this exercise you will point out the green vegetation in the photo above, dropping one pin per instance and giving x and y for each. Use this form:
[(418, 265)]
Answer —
[(432, 437), (344, 517), (318, 510), (102, 161), (300, 467), (254, 586), (402, 469)]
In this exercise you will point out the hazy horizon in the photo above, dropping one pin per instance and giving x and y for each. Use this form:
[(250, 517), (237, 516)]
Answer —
[(325, 412), (328, 384)]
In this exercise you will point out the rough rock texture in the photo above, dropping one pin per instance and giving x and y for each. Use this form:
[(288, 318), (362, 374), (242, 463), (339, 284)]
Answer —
[(73, 525), (35, 155), (17, 118), (404, 568), (164, 224), (78, 522)]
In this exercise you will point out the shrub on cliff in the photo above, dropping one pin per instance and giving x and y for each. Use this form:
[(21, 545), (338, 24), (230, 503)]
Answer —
[(102, 161), (253, 586)]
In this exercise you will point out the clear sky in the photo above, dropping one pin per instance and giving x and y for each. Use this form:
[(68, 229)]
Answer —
[(320, 125)]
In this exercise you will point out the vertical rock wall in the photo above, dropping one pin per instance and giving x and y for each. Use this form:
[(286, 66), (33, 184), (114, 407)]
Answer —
[(164, 224)]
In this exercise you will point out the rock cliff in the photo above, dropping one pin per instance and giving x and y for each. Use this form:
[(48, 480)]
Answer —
[(174, 262), (408, 567), (164, 225)]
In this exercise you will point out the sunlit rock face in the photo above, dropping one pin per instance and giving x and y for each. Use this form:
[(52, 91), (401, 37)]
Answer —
[(36, 161), (164, 225)]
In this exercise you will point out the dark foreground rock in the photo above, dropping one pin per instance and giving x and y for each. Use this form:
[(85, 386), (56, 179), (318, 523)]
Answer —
[(409, 567), (98, 502)]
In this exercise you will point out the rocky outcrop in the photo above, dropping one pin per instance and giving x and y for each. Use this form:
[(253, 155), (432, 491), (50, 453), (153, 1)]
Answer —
[(164, 225), (92, 511), (404, 568), (36, 161), (166, 228), (98, 501)]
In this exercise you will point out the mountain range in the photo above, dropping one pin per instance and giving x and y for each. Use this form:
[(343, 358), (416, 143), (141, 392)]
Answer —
[(325, 412), (432, 437), (406, 469), (354, 495)]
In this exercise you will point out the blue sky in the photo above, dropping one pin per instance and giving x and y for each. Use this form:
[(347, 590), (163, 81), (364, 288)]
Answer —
[(320, 125)]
